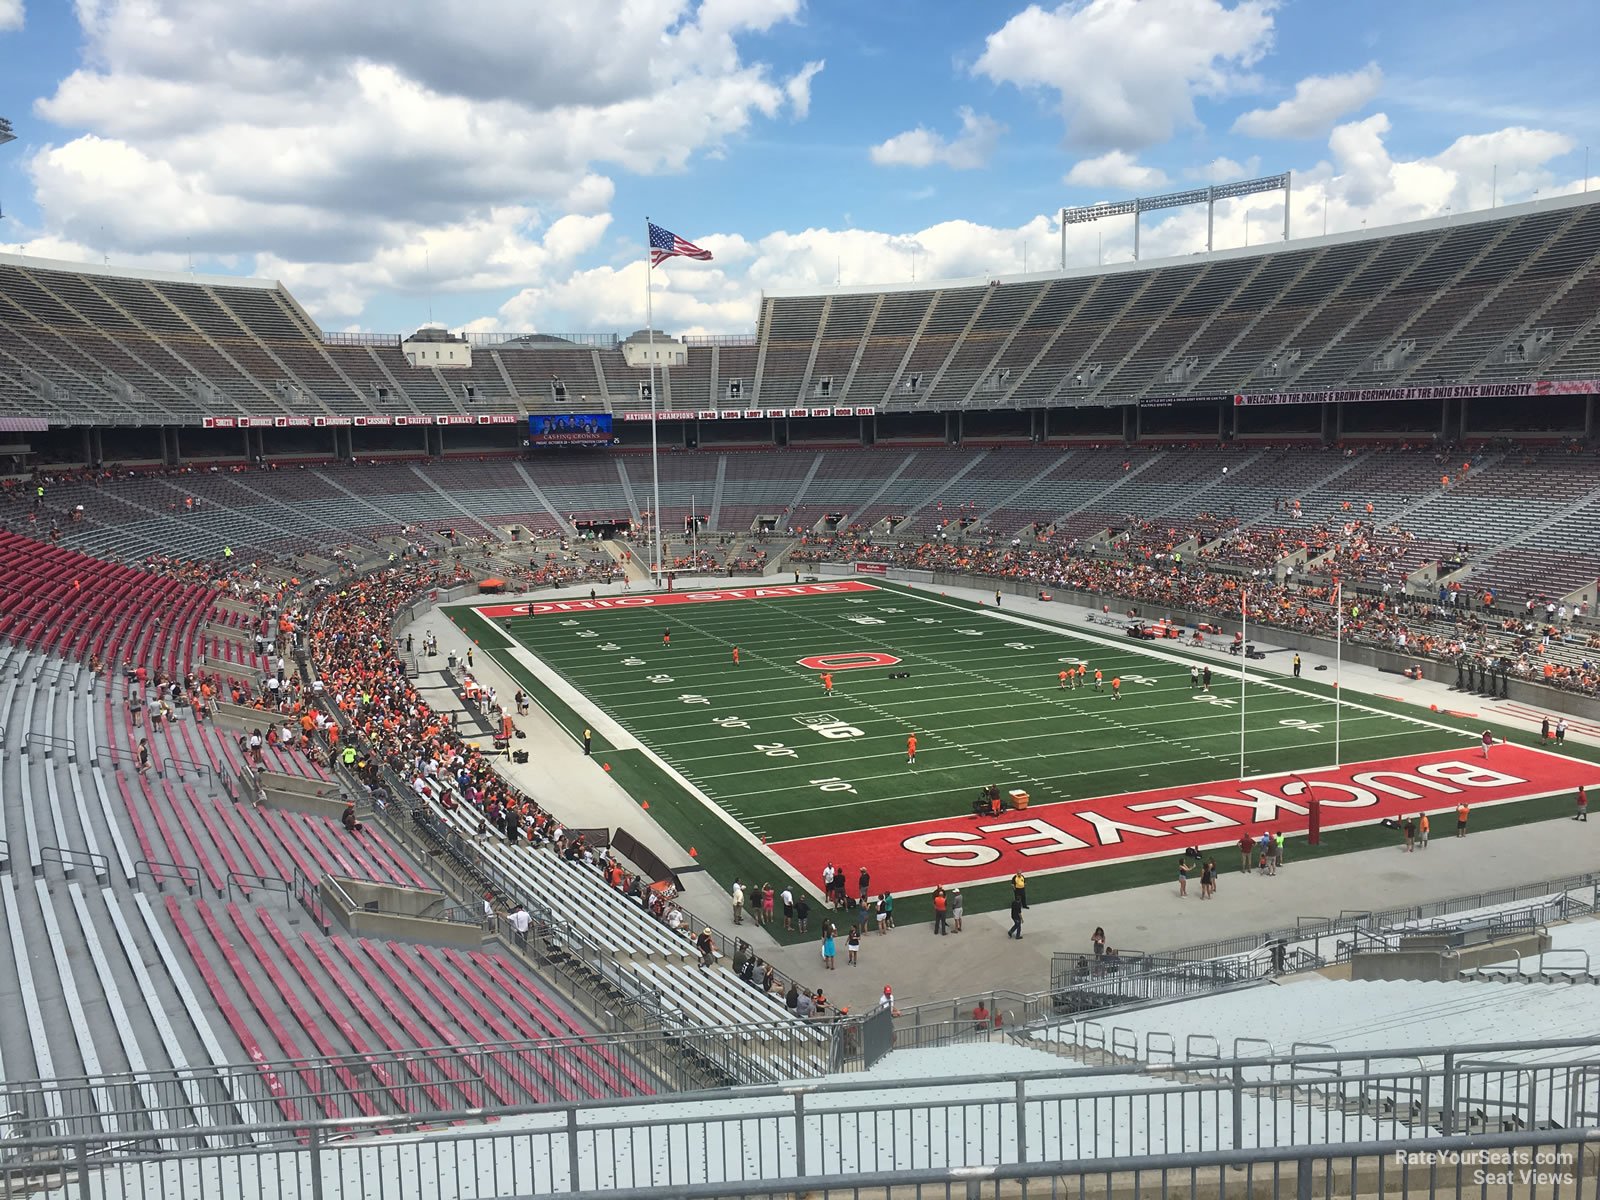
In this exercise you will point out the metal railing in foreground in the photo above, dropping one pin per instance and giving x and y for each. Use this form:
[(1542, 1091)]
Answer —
[(181, 1110), (1570, 896), (1080, 984), (1531, 1166), (755, 1141)]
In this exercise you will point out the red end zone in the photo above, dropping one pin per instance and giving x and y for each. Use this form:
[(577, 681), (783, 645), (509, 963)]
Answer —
[(1081, 833), (782, 591)]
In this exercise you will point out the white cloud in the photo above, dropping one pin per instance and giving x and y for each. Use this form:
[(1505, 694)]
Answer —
[(1114, 169), (1223, 169), (1318, 101), (11, 15), (1359, 181), (922, 147), (1126, 73), (798, 88), (724, 295), (501, 249), (333, 140)]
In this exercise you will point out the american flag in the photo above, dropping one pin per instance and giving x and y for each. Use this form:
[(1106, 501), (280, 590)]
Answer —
[(665, 244)]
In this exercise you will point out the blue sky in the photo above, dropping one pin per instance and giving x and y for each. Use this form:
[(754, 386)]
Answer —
[(492, 163)]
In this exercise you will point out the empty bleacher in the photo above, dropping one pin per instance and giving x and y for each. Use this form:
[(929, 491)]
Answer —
[(154, 948)]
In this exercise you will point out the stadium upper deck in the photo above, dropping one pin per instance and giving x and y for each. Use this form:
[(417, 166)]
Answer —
[(1497, 301)]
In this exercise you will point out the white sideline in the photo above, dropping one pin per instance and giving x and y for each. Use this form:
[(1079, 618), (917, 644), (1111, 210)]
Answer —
[(622, 740)]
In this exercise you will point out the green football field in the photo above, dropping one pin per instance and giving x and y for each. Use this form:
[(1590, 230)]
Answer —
[(979, 687)]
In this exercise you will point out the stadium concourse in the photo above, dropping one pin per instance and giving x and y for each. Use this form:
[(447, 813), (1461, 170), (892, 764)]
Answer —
[(1150, 918)]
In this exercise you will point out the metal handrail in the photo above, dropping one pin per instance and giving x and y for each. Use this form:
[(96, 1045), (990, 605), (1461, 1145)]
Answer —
[(100, 864), (1348, 921), (173, 764), (1259, 1073), (50, 741), (188, 876), (244, 880), (305, 890)]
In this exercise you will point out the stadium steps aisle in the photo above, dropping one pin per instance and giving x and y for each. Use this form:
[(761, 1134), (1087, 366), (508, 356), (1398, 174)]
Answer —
[(386, 520), (1449, 530), (1050, 463), (118, 1007), (64, 1017), (184, 1037), (1189, 495), (62, 821), (1098, 501), (471, 517), (714, 513), (25, 1046), (245, 525), (627, 491), (225, 992), (273, 963), (888, 482), (10, 759), (79, 976), (538, 494), (945, 488), (298, 516), (276, 842)]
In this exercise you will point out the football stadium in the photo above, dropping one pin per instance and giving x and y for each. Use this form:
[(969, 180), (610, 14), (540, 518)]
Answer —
[(471, 764)]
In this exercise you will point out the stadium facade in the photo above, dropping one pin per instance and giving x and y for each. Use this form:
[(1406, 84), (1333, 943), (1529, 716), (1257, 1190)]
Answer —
[(1426, 328)]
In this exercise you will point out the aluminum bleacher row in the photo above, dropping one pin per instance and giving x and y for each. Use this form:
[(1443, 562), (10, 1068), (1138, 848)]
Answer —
[(648, 961), (1503, 295), (208, 970), (176, 994), (1526, 517), (56, 599)]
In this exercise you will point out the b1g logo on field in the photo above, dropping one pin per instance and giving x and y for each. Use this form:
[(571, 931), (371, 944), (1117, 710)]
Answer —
[(851, 661), (829, 726)]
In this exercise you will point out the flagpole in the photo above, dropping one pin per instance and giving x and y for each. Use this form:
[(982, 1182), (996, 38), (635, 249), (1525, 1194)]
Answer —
[(1244, 667), (650, 334), (1338, 665)]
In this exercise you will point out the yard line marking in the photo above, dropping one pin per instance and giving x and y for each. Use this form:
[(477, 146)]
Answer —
[(1074, 774), (606, 726), (945, 655), (1223, 668)]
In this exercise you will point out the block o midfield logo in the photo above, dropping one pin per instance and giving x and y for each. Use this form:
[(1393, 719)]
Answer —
[(852, 660)]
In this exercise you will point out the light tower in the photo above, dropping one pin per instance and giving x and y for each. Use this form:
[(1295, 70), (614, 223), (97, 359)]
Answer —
[(6, 135), (1206, 195)]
